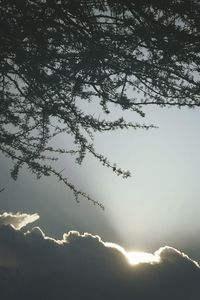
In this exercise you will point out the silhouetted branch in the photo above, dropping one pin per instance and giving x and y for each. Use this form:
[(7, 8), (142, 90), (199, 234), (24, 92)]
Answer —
[(55, 54), (1, 190)]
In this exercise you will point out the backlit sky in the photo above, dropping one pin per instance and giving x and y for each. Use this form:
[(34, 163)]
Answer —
[(159, 205)]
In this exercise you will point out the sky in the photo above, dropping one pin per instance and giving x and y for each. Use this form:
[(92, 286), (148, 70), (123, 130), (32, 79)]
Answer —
[(156, 210), (145, 244), (157, 206), (83, 266)]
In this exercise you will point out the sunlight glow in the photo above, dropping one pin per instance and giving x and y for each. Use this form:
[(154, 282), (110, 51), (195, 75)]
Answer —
[(136, 258)]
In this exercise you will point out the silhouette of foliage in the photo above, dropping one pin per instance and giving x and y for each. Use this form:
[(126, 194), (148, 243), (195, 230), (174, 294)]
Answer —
[(1, 190), (55, 53)]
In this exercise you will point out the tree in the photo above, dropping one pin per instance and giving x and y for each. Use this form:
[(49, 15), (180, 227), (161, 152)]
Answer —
[(56, 52)]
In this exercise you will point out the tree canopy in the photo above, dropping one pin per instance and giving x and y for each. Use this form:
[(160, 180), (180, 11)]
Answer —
[(54, 53)]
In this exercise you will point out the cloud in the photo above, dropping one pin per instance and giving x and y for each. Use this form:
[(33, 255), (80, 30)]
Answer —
[(17, 220), (82, 266)]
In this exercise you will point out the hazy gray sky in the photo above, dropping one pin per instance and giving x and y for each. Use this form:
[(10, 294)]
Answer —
[(159, 205)]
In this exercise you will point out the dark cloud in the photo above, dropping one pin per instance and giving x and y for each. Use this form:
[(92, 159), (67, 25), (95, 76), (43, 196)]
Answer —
[(33, 266), (17, 220)]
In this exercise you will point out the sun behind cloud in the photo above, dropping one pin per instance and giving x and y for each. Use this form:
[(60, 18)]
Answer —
[(36, 266), (135, 258)]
